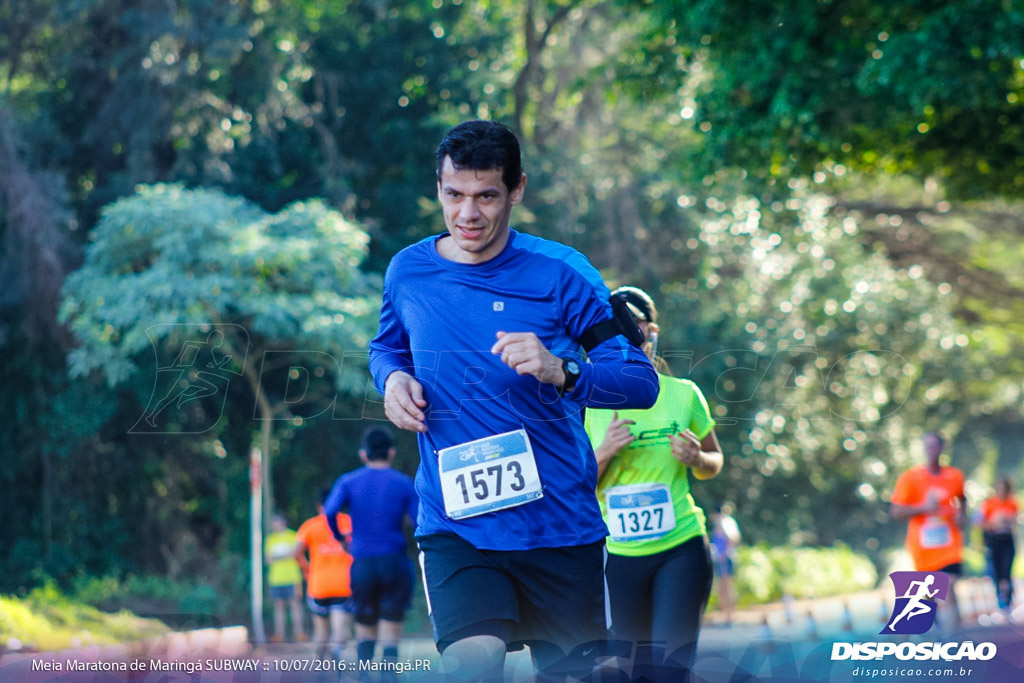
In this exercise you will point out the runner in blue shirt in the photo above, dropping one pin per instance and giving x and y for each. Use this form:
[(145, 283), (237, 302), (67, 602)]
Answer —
[(379, 499), (479, 352)]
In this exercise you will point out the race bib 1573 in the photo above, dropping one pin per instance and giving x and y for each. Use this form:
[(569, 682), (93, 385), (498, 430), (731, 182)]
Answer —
[(488, 474)]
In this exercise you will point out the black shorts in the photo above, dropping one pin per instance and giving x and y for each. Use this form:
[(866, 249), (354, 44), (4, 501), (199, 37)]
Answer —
[(381, 588), (956, 569), (539, 597)]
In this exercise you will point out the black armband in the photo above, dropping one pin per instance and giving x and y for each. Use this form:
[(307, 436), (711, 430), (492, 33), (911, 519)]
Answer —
[(621, 322)]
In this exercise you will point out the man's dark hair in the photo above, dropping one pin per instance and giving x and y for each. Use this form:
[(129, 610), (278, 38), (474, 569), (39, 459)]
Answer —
[(377, 442), (482, 146)]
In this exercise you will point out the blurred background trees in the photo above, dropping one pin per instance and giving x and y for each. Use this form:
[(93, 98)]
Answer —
[(824, 198)]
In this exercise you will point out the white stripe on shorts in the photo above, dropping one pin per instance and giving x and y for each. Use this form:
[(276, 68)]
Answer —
[(426, 590)]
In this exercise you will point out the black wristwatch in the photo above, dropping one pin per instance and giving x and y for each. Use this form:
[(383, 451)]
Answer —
[(571, 368)]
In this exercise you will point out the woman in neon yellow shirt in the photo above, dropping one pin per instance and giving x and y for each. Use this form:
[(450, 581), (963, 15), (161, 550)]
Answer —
[(284, 577), (659, 569)]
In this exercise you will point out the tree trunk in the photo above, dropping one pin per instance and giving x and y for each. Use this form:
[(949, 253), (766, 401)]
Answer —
[(266, 438)]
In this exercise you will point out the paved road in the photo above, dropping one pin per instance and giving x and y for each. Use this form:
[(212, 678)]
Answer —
[(782, 642)]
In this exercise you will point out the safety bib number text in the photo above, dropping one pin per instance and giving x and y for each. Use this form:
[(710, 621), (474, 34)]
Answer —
[(935, 533), (488, 474), (640, 512)]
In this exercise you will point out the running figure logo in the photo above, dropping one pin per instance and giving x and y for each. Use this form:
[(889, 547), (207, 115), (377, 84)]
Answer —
[(201, 368), (916, 596)]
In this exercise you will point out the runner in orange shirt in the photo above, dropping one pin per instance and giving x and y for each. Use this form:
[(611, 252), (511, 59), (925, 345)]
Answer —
[(328, 589), (931, 496), (998, 523)]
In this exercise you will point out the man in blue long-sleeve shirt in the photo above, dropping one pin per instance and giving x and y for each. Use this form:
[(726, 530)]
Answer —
[(479, 352)]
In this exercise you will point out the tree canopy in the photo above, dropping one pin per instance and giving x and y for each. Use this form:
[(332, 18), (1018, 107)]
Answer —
[(824, 199), (216, 287), (900, 88)]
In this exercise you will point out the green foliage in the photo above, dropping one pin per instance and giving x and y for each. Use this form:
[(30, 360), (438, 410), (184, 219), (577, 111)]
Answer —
[(164, 598), (933, 91), (46, 619), (765, 573), (169, 256), (375, 77), (790, 183), (168, 262), (836, 358)]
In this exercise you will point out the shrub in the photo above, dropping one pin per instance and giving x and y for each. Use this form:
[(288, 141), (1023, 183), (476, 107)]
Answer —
[(46, 619), (765, 574), (180, 604)]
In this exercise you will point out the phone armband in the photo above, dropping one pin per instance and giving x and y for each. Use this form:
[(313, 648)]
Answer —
[(621, 322)]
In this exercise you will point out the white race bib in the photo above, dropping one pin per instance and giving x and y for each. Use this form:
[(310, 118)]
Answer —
[(488, 474), (935, 533), (640, 512), (281, 550)]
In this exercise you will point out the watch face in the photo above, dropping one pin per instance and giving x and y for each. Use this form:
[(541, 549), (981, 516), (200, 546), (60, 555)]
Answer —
[(572, 367)]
